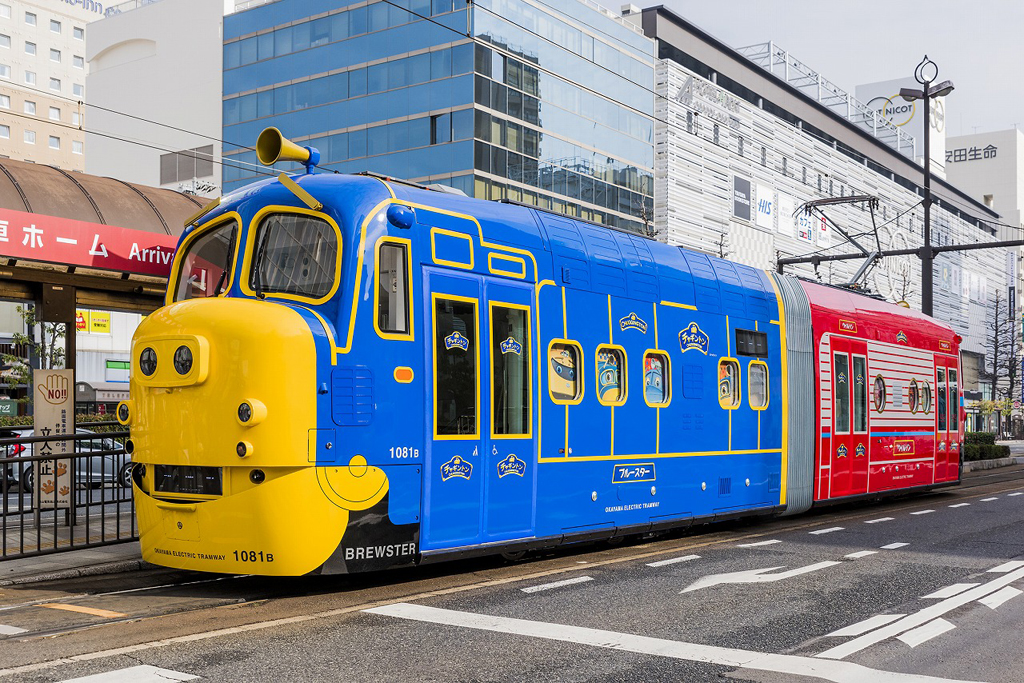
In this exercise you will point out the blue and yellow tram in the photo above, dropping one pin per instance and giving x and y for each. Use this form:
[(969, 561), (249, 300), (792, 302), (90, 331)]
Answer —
[(353, 373)]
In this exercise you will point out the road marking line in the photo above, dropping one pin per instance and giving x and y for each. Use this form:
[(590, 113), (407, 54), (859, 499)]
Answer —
[(1008, 567), (922, 634), (949, 591), (922, 617), (556, 584), (999, 597), (988, 500), (1018, 493), (868, 624), (6, 630), (826, 531), (135, 674), (96, 612), (757, 545), (860, 554), (684, 558), (790, 665), (880, 519), (922, 512), (894, 546), (960, 505), (756, 576)]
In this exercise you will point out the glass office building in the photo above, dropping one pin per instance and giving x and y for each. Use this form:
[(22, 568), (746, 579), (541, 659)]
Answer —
[(548, 102)]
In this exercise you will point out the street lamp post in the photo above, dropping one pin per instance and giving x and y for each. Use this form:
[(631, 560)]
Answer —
[(926, 73)]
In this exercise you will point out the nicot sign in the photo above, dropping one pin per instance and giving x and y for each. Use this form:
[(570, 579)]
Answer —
[(54, 410), (36, 237)]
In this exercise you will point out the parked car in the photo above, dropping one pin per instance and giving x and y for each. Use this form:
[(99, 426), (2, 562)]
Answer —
[(90, 470)]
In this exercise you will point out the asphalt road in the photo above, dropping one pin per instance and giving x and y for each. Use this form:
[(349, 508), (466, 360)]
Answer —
[(921, 588)]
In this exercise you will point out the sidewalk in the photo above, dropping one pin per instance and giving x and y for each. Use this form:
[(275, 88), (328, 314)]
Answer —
[(110, 559)]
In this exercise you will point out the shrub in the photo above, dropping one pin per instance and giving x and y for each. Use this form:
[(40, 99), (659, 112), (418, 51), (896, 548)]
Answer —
[(981, 438), (984, 452)]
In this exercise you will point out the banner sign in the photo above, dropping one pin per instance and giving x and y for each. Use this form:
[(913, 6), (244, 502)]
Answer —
[(36, 237), (54, 414), (741, 198), (765, 206), (786, 209)]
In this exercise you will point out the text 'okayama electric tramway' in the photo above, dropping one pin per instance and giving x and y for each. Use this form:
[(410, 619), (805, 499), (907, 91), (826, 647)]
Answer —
[(353, 373)]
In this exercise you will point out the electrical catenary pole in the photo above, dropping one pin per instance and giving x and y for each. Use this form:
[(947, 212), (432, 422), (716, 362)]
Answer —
[(926, 73)]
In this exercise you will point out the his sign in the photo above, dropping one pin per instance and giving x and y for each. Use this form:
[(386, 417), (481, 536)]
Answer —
[(54, 409)]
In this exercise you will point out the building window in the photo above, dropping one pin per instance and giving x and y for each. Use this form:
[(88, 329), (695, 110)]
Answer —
[(819, 182), (440, 129), (54, 113), (30, 77), (564, 370), (715, 134), (5, 11), (611, 376), (5, 101), (393, 288), (764, 156), (186, 165), (54, 25), (5, 71), (689, 122), (804, 175), (830, 190), (79, 33), (5, 40), (76, 118), (30, 48), (54, 55), (55, 84), (78, 62), (657, 379), (30, 107), (54, 142), (30, 18), (78, 89), (785, 170), (5, 132), (76, 146), (739, 146), (30, 137)]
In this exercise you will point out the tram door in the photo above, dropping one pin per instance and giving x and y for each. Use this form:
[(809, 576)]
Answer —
[(849, 417), (947, 417), (479, 468)]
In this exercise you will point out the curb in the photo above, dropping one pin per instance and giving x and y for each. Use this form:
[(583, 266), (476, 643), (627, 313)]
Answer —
[(975, 465), (77, 572)]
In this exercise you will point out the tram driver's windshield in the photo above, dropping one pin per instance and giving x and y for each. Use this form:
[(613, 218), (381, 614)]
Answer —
[(294, 254), (206, 264)]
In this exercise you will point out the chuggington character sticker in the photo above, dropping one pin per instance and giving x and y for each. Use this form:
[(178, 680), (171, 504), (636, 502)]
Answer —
[(692, 337), (901, 336), (654, 379), (562, 381), (841, 451), (860, 451), (633, 322), (510, 345), (456, 467), (511, 465), (455, 340), (609, 387)]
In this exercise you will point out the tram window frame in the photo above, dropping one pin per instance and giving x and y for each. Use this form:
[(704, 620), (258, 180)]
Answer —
[(860, 403), (472, 352), (926, 397), (579, 383), (879, 405), (735, 394), (914, 396), (188, 249), (953, 399), (666, 378), (841, 399), (623, 372), (398, 290), (751, 343), (501, 431), (762, 368), (258, 260), (941, 407)]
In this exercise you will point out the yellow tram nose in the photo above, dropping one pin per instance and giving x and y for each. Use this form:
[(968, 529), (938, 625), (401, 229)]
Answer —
[(222, 406)]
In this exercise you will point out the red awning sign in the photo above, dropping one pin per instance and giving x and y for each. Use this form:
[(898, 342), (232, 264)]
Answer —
[(36, 237)]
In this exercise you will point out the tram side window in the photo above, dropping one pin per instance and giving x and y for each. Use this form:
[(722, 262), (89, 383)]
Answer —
[(611, 376), (954, 402), (656, 379), (294, 254), (841, 393), (206, 266), (940, 390), (751, 343), (880, 393), (757, 385), (392, 288), (564, 369), (914, 396), (926, 398), (729, 384), (510, 370), (860, 394), (455, 355)]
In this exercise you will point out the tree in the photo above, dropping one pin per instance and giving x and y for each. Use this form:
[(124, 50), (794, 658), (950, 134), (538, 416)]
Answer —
[(43, 343), (1001, 357)]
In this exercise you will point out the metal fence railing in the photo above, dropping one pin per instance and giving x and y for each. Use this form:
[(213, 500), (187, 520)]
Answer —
[(90, 506)]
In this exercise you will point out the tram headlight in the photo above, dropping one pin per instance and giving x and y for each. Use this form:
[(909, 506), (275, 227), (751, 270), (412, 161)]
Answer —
[(251, 412), (257, 476), (124, 412), (183, 360), (243, 448), (147, 361)]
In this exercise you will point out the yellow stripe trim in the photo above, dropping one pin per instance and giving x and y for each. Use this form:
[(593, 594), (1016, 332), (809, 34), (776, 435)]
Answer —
[(785, 390), (675, 305), (305, 197), (637, 456)]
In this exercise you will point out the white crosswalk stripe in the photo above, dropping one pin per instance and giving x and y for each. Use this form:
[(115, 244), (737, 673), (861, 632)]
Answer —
[(136, 674)]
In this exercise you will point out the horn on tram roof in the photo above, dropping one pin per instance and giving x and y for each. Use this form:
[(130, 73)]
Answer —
[(272, 146)]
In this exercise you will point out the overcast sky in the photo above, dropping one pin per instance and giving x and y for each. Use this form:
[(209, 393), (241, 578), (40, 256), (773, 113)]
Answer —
[(979, 45)]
